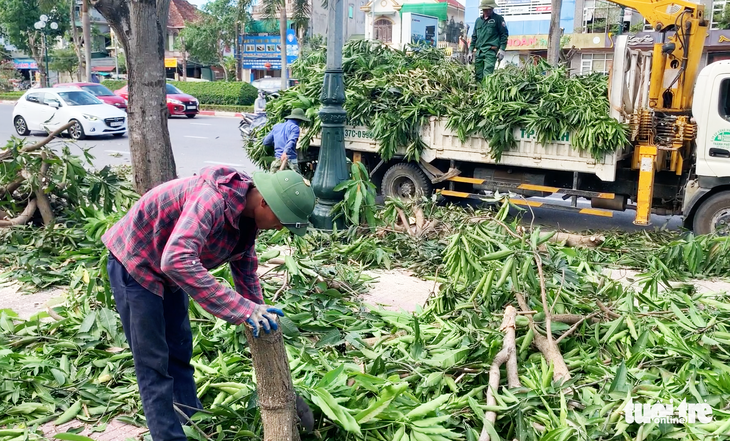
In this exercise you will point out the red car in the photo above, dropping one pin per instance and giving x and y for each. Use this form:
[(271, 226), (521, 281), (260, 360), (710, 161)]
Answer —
[(178, 103), (100, 92)]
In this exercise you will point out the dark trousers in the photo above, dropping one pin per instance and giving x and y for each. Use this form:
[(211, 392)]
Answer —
[(486, 59), (158, 333)]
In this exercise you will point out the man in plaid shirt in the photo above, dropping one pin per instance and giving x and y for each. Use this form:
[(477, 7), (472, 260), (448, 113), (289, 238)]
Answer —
[(161, 251)]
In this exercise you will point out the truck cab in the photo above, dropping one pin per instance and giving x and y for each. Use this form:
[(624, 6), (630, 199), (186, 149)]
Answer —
[(707, 194)]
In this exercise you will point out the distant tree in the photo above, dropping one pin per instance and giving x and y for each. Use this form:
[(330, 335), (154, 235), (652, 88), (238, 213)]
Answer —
[(722, 18), (208, 40), (17, 20), (9, 75), (64, 60)]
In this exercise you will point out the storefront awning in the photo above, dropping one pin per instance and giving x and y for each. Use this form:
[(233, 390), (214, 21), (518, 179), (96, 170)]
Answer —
[(438, 10), (103, 68), (25, 63)]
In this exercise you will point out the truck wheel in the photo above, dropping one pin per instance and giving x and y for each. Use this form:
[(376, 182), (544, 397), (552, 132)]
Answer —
[(713, 216), (405, 181)]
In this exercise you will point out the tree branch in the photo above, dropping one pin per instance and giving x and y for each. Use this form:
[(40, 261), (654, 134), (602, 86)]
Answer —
[(23, 218), (575, 326), (44, 205), (11, 187), (33, 147), (506, 355)]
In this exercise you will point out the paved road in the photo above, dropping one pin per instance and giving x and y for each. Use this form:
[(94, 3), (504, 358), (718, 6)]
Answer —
[(196, 143), (208, 140)]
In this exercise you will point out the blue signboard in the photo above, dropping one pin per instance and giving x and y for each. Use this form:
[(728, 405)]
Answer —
[(260, 51), (25, 64)]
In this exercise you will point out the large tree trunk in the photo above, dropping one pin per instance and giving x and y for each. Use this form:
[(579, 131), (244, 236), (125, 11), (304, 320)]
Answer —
[(274, 386), (86, 24), (282, 33), (76, 40), (141, 26), (553, 55)]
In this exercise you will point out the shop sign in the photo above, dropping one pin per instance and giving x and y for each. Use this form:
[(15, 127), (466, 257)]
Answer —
[(25, 64), (540, 42), (264, 52), (171, 62), (543, 8)]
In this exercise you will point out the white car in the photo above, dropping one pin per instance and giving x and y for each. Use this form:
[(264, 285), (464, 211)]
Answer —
[(46, 110)]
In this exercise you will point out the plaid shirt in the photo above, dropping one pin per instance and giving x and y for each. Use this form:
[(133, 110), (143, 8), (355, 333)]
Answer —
[(182, 228)]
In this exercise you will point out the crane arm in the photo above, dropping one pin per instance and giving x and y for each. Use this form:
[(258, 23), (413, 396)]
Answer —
[(676, 59)]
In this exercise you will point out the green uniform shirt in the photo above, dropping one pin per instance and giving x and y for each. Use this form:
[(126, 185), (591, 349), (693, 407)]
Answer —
[(489, 32)]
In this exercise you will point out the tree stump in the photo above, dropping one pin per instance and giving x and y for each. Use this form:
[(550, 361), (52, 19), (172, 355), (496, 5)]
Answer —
[(274, 385)]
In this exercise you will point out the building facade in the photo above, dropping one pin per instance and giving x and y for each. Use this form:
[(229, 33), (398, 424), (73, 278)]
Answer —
[(589, 29), (385, 20)]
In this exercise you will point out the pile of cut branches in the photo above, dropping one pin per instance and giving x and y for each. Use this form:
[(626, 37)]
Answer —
[(579, 348), (395, 92)]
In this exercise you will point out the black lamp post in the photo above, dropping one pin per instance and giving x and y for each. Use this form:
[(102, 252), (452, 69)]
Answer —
[(41, 26), (332, 166)]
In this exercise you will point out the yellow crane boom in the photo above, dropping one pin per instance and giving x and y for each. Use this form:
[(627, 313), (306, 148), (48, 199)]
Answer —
[(663, 132)]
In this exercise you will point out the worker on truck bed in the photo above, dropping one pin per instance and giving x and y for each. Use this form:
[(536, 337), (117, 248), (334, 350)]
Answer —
[(284, 137), (160, 252), (488, 41)]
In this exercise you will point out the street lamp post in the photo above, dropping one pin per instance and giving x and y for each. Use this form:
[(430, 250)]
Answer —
[(332, 165), (41, 26)]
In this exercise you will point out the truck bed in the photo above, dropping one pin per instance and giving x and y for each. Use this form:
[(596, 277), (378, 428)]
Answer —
[(444, 143)]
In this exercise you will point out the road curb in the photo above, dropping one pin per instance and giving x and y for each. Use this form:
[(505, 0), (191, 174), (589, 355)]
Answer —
[(217, 113)]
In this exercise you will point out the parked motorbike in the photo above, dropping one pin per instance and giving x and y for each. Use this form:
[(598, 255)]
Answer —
[(251, 121)]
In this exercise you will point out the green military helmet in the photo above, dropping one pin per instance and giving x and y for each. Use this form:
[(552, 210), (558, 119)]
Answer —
[(487, 4), (298, 114), (290, 197)]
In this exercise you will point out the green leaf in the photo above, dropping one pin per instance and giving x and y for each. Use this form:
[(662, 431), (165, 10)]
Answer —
[(619, 386), (381, 403), (338, 414), (426, 408), (88, 322)]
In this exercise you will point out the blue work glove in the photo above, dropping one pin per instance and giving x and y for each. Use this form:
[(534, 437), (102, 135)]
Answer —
[(264, 316)]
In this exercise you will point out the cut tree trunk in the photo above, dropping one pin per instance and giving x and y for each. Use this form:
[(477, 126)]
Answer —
[(141, 26), (277, 399), (553, 55)]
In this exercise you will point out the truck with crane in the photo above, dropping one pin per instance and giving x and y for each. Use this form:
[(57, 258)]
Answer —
[(677, 162)]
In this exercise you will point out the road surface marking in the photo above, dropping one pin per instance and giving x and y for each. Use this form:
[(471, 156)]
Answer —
[(117, 151), (224, 163), (196, 137), (200, 124)]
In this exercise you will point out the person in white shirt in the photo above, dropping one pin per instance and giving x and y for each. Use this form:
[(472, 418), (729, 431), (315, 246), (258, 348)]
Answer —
[(259, 106)]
